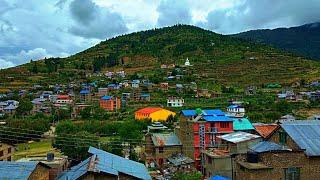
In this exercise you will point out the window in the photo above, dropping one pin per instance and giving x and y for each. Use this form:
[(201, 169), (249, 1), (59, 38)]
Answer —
[(160, 149), (224, 125), (209, 160), (9, 150), (292, 173), (1, 153), (282, 137)]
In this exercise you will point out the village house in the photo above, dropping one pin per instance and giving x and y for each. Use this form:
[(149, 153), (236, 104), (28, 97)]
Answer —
[(294, 157), (145, 97), (179, 163), (238, 142), (135, 83), (164, 86), (243, 124), (217, 162), (250, 90), (24, 170), (265, 130), (110, 103), (6, 152), (154, 114), (77, 108), (175, 102), (235, 111), (102, 91), (198, 130), (104, 165), (57, 164), (179, 88), (126, 96), (85, 95), (160, 146), (63, 100)]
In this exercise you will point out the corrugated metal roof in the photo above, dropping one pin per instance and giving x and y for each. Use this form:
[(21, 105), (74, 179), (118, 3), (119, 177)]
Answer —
[(106, 97), (265, 130), (102, 161), (165, 139), (180, 159), (207, 112), (148, 110), (216, 112), (240, 124), (219, 178), (189, 113), (16, 170), (266, 146), (84, 91), (306, 134), (217, 118), (237, 137)]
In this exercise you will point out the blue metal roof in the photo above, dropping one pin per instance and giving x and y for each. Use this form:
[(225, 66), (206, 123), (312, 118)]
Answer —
[(189, 113), (306, 134), (102, 161), (84, 91), (216, 112), (217, 118), (266, 146), (233, 106), (219, 178), (207, 112), (106, 97), (145, 95), (16, 170)]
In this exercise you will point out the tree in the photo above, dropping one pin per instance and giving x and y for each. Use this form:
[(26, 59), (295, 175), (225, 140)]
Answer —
[(25, 106), (187, 176), (34, 68), (85, 113), (76, 146)]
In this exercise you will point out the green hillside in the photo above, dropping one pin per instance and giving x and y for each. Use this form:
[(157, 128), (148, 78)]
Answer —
[(303, 40), (215, 58)]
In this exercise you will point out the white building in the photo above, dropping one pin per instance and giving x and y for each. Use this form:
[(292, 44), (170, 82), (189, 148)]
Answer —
[(175, 102), (187, 63), (235, 111)]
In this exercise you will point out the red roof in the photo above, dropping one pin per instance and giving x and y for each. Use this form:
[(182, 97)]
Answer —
[(63, 97), (148, 110), (265, 130)]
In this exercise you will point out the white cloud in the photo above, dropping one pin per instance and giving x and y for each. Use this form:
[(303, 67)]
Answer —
[(5, 64)]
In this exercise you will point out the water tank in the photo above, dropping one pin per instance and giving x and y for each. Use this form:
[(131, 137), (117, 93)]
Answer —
[(50, 157), (252, 157)]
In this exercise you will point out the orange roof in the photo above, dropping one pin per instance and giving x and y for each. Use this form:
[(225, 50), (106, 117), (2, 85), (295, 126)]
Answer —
[(265, 130), (148, 110), (63, 97)]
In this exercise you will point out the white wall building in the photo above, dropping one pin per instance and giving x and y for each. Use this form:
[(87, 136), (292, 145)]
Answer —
[(175, 102)]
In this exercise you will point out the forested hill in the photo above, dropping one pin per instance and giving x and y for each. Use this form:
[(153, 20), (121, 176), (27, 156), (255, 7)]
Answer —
[(303, 40), (214, 57)]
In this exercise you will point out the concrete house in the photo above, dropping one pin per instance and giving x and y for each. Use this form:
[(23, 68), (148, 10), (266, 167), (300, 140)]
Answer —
[(175, 102), (161, 146), (24, 170), (104, 165)]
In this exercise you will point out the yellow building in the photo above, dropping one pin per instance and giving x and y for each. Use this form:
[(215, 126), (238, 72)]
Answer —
[(155, 114)]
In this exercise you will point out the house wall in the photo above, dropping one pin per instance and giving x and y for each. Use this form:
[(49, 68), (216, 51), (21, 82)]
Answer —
[(290, 143), (110, 105), (6, 152), (40, 173), (218, 166), (309, 167)]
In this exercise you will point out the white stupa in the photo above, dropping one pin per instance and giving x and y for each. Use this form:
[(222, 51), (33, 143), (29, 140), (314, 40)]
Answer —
[(187, 63)]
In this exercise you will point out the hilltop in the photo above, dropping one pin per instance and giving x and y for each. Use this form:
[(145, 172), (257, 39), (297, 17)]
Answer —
[(303, 40), (215, 58)]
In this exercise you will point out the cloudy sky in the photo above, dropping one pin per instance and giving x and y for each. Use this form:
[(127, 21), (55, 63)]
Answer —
[(34, 29)]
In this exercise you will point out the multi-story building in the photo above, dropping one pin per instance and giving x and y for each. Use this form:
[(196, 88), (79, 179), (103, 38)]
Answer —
[(110, 103), (6, 152), (198, 130), (175, 102)]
